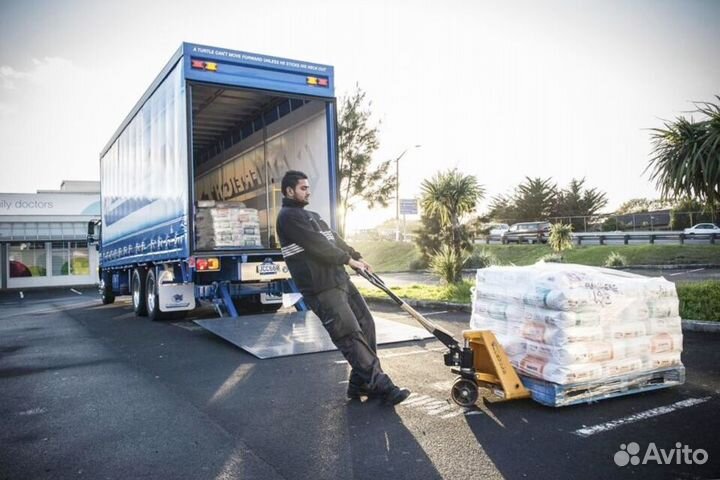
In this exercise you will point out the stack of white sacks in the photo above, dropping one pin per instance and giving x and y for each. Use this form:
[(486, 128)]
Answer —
[(226, 224), (572, 323)]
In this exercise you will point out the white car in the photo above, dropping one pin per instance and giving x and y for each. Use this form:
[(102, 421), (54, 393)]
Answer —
[(702, 228), (499, 230)]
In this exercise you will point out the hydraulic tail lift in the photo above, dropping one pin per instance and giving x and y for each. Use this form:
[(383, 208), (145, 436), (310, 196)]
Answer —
[(480, 362)]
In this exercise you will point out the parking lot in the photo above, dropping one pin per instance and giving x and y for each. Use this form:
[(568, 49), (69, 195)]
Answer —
[(93, 391)]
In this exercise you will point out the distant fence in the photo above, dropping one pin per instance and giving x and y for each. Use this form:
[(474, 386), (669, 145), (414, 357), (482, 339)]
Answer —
[(663, 220), (626, 238)]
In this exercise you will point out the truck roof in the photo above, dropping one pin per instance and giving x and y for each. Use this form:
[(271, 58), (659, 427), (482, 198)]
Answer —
[(240, 69)]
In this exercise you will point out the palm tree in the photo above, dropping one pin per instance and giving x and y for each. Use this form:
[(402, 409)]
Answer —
[(451, 195), (686, 156), (560, 237)]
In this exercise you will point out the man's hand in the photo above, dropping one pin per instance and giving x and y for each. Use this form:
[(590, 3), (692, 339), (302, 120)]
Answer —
[(360, 265)]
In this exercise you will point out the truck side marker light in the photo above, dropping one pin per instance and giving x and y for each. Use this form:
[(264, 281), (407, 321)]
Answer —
[(317, 81), (203, 65)]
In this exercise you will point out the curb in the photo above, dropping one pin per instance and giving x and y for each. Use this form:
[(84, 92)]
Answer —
[(668, 267), (700, 326), (687, 325)]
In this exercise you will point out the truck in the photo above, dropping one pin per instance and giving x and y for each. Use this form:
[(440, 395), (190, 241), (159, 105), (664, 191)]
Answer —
[(209, 141)]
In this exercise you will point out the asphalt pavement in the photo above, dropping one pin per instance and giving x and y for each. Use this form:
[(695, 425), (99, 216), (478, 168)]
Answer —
[(91, 391)]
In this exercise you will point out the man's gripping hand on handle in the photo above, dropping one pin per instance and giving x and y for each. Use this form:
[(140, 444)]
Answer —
[(359, 265)]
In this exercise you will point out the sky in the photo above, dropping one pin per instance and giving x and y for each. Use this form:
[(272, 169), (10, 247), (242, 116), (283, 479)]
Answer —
[(499, 90)]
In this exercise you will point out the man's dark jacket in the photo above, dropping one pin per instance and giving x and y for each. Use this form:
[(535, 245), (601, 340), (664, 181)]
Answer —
[(315, 255)]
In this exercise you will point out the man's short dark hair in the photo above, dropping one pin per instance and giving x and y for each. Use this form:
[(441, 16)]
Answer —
[(291, 179)]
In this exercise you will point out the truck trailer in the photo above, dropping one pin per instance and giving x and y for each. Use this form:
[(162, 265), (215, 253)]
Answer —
[(190, 181)]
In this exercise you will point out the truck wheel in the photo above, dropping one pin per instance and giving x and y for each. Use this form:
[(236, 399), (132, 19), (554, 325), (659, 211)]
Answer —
[(137, 288), (153, 305), (106, 292)]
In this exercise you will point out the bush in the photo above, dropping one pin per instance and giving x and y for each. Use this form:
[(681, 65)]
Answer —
[(418, 264), (448, 264), (615, 260), (553, 258), (481, 259), (560, 237), (699, 300)]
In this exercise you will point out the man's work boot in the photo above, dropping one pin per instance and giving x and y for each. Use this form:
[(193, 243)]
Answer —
[(355, 391), (396, 395)]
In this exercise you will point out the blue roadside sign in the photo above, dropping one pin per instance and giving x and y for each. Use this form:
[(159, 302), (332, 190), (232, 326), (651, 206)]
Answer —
[(408, 206)]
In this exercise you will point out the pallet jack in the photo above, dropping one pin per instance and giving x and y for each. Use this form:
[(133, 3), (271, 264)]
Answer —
[(480, 362)]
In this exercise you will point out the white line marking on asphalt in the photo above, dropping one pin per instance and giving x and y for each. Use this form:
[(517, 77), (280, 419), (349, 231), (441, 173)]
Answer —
[(441, 409), (453, 414), (420, 402), (52, 310), (75, 291), (344, 381), (435, 313), (33, 411), (433, 406), (443, 386), (654, 412), (387, 442), (413, 397)]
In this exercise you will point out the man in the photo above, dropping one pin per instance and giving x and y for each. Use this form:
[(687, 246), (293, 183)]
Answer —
[(316, 257)]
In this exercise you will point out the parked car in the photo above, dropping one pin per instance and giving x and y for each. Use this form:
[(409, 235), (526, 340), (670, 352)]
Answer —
[(531, 232), (497, 231), (702, 229)]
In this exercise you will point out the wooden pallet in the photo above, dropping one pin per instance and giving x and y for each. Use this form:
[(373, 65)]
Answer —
[(554, 395)]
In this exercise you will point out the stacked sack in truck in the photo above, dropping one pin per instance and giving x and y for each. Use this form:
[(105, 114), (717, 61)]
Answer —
[(569, 324), (226, 225)]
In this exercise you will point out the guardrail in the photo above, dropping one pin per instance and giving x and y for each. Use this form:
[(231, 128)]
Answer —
[(626, 237), (651, 236)]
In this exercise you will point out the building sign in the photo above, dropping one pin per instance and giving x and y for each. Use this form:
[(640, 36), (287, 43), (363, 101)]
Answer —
[(408, 206), (29, 204)]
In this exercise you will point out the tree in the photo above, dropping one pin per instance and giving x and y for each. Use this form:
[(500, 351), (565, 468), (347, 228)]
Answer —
[(578, 201), (359, 179), (560, 237), (535, 199), (431, 236), (686, 156), (451, 195), (502, 209)]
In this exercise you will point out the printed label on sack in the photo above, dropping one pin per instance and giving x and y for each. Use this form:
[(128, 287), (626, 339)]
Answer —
[(533, 365)]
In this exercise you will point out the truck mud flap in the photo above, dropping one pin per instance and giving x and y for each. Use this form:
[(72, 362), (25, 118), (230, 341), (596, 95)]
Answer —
[(295, 333)]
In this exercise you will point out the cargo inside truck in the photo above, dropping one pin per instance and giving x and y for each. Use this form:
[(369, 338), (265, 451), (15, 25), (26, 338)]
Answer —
[(243, 141)]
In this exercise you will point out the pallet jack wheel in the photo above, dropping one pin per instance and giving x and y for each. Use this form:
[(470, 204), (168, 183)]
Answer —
[(464, 392)]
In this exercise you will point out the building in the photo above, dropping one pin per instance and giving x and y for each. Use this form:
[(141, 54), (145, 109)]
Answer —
[(43, 236)]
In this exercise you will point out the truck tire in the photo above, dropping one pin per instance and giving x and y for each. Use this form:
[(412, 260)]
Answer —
[(106, 293), (138, 292), (151, 289)]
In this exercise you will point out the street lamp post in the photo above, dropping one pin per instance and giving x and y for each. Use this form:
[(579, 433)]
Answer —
[(397, 191)]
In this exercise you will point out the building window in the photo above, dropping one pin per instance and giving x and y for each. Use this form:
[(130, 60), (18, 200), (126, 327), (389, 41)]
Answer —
[(27, 259), (70, 258)]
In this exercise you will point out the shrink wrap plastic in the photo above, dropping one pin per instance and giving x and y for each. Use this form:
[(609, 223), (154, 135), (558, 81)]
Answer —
[(569, 323)]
